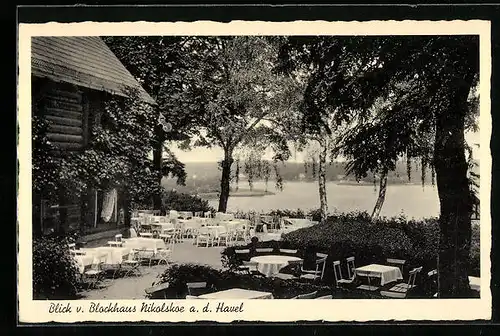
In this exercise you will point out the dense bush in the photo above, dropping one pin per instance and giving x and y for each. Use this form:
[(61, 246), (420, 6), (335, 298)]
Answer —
[(55, 274), (173, 200), (355, 234), (298, 213), (178, 275)]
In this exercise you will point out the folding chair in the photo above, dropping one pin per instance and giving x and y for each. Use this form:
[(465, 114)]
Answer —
[(95, 273), (293, 267), (131, 264), (339, 278), (396, 262), (118, 242), (315, 274), (401, 290), (146, 255), (288, 251), (197, 288)]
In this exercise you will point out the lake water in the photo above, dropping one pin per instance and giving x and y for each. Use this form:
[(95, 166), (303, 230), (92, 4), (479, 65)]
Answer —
[(412, 200)]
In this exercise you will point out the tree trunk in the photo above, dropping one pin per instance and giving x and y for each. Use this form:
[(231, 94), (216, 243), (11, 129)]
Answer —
[(157, 164), (126, 209), (454, 196), (225, 180), (322, 180), (381, 193)]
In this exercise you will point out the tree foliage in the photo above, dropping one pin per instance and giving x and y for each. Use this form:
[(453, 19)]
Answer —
[(428, 81), (116, 156)]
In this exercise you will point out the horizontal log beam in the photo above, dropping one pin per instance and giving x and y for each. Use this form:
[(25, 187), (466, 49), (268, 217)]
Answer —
[(67, 145), (71, 100), (54, 128), (69, 94), (57, 137), (64, 105), (63, 113), (64, 121)]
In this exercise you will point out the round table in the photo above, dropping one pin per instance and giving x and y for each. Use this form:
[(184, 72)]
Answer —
[(272, 264)]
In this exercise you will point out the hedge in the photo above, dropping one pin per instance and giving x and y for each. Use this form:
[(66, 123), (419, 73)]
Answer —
[(355, 234), (55, 274), (178, 275)]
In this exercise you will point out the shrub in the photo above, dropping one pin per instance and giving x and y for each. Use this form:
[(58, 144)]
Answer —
[(184, 202), (55, 274), (230, 260), (298, 213), (178, 275)]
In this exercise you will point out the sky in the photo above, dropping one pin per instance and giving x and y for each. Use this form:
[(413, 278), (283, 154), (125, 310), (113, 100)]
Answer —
[(202, 154)]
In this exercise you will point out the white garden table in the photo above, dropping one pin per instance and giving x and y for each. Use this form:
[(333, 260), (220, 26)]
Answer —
[(83, 261), (237, 294), (387, 274), (140, 243), (272, 264), (215, 230), (112, 255)]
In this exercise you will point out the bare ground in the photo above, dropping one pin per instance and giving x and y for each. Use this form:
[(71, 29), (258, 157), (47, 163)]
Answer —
[(132, 287)]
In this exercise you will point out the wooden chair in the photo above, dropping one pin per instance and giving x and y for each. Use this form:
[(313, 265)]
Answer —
[(162, 255), (249, 267), (264, 250), (198, 288), (400, 291), (118, 242), (288, 251), (293, 267), (95, 273), (396, 262), (204, 236), (131, 264), (369, 286), (146, 255), (432, 277), (315, 274), (339, 278), (307, 296)]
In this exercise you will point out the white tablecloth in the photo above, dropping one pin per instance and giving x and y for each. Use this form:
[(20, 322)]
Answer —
[(215, 230), (387, 274), (269, 236), (237, 294), (271, 264), (113, 255), (83, 261), (144, 243)]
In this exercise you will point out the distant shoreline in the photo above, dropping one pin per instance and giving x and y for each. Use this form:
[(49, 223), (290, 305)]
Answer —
[(239, 193)]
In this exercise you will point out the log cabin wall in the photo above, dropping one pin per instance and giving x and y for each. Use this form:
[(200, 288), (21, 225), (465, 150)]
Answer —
[(71, 112), (64, 109)]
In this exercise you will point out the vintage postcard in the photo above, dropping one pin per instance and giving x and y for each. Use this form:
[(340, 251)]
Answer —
[(206, 171)]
